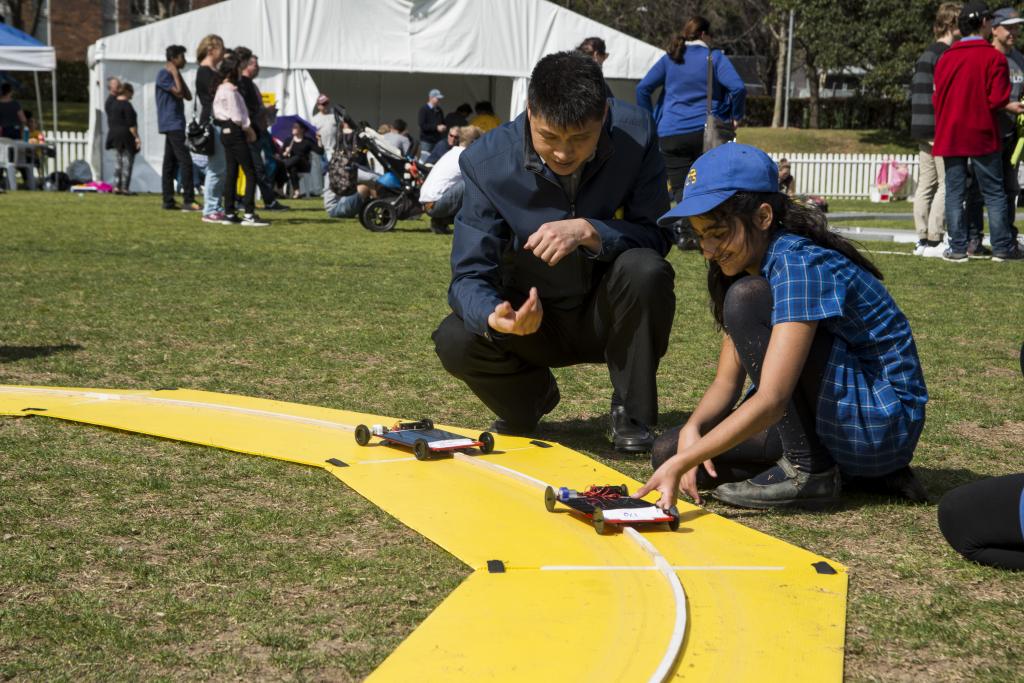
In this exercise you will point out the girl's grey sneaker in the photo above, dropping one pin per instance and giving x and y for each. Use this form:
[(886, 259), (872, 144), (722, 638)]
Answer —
[(955, 257), (783, 486), (251, 220), (231, 219)]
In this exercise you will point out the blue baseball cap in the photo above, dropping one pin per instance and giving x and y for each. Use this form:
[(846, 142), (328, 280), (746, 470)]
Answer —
[(721, 173)]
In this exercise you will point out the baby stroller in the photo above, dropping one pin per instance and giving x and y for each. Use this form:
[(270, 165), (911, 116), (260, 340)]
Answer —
[(398, 187)]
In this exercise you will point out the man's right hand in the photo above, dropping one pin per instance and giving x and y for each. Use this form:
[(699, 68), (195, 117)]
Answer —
[(521, 322)]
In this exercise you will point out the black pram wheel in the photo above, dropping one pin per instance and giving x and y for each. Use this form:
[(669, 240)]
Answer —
[(380, 215)]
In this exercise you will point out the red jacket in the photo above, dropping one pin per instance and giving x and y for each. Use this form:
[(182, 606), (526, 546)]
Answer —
[(972, 85)]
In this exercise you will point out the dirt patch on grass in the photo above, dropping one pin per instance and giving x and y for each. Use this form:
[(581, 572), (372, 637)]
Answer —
[(1007, 435)]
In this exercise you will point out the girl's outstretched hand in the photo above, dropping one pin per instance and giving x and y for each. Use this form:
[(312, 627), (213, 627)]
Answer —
[(666, 481)]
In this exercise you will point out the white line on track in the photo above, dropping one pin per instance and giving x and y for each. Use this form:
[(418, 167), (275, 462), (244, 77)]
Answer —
[(675, 643)]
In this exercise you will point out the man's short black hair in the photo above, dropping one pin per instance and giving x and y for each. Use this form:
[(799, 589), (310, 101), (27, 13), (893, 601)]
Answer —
[(484, 107), (6, 89), (567, 89), (399, 125), (174, 51), (465, 109)]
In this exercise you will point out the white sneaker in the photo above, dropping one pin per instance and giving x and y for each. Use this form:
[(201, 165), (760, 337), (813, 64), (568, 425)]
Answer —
[(919, 249), (251, 220), (934, 252)]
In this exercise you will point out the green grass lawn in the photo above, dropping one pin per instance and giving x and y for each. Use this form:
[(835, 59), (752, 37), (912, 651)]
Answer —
[(791, 140), (128, 557)]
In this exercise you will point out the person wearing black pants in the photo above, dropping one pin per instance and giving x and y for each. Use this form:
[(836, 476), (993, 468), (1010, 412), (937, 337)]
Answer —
[(171, 92), (232, 119), (249, 69), (984, 521), (557, 258), (625, 322)]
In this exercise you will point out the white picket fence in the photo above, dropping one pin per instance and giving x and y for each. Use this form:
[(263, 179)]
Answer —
[(845, 176), (70, 146)]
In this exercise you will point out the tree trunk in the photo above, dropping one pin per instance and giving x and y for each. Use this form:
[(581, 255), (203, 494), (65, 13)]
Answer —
[(814, 92), (780, 75)]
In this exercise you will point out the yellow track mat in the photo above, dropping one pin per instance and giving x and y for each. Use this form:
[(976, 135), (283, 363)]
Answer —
[(713, 601)]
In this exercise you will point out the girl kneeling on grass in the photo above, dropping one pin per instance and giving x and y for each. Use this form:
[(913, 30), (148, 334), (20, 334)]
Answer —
[(837, 390)]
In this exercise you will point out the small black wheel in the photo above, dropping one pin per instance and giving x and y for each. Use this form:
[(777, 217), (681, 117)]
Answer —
[(487, 443), (674, 524), (549, 499), (421, 449), (380, 215), (598, 520), (427, 423), (362, 435)]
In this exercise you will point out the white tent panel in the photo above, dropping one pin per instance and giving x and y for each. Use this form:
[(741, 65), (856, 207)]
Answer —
[(40, 58), (257, 24), (351, 35)]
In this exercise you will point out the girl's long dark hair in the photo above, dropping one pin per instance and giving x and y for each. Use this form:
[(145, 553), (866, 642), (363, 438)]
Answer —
[(692, 30), (787, 216)]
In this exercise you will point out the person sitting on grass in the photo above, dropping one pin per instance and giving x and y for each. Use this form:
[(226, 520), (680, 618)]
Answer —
[(295, 157), (838, 390), (984, 520)]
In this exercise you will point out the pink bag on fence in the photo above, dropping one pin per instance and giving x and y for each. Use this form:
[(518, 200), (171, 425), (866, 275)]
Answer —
[(891, 176)]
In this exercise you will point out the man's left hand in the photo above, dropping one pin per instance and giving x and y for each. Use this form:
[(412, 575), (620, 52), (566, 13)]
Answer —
[(555, 240)]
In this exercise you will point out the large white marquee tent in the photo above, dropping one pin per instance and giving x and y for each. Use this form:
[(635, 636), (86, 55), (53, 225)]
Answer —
[(378, 59)]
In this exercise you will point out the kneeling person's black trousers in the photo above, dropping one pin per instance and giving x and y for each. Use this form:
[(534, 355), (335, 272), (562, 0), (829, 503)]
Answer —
[(625, 323), (984, 521)]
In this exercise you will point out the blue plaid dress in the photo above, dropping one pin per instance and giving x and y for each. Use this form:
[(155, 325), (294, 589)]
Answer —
[(870, 410)]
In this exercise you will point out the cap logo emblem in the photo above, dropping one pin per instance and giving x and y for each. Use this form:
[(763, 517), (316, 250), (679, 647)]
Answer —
[(691, 177)]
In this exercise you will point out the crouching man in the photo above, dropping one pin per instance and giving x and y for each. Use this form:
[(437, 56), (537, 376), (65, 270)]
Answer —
[(557, 258)]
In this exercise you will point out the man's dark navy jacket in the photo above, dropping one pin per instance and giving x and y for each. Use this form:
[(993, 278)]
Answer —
[(510, 193)]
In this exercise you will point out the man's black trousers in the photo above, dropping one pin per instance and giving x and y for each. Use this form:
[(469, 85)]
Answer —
[(176, 157), (624, 323)]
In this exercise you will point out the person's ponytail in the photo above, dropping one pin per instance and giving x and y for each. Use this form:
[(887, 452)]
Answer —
[(693, 29)]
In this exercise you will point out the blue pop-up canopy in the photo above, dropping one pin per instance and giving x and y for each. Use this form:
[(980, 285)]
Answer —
[(21, 52)]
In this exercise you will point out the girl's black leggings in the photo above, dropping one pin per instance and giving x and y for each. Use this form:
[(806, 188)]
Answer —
[(984, 521), (237, 154), (748, 322)]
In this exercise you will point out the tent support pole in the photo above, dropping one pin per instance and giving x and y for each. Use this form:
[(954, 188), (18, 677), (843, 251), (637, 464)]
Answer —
[(39, 98), (53, 94)]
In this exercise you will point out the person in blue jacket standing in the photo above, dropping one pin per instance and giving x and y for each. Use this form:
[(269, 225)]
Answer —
[(557, 257), (682, 74)]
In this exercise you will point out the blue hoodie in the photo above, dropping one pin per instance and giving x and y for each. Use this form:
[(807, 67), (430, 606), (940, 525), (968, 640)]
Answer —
[(682, 107)]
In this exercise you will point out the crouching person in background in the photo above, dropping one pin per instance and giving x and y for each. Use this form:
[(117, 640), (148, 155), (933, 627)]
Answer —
[(441, 194)]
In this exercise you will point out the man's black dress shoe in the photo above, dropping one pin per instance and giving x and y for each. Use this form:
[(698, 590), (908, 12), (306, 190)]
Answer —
[(628, 435)]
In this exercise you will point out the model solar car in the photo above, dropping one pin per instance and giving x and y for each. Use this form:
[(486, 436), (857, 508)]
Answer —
[(423, 439), (604, 505)]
